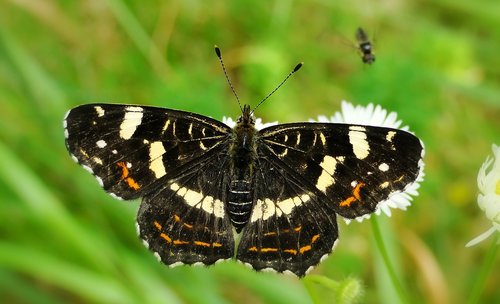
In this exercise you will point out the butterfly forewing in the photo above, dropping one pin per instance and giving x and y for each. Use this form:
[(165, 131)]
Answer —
[(350, 167), (130, 148)]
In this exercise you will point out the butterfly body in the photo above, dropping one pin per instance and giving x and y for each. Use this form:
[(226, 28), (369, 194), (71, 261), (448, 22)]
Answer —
[(243, 153), (281, 187)]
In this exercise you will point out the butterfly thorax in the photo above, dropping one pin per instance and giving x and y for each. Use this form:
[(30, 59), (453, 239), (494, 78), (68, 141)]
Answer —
[(242, 153)]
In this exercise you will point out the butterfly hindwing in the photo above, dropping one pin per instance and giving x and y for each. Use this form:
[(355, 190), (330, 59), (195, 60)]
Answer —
[(129, 148), (350, 167), (184, 222), (291, 229)]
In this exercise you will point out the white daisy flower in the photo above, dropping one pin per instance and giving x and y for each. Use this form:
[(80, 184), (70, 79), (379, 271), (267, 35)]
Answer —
[(377, 116), (259, 125), (488, 199)]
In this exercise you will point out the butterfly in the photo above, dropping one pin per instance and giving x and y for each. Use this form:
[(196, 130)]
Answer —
[(268, 197)]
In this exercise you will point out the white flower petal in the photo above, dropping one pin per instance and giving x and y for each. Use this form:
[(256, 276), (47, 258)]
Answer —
[(481, 237), (229, 121), (488, 198), (259, 125)]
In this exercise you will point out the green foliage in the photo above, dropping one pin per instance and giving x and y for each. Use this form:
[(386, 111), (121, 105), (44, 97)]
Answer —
[(62, 239)]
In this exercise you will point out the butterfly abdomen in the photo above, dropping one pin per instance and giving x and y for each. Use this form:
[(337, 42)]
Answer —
[(243, 155), (239, 204)]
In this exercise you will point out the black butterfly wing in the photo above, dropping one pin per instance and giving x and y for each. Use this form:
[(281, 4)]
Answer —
[(307, 173), (185, 222), (291, 228), (175, 160), (353, 167), (130, 148)]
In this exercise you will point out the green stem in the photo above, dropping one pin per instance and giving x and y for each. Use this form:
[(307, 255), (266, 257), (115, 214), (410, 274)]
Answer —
[(322, 280), (387, 261), (485, 270)]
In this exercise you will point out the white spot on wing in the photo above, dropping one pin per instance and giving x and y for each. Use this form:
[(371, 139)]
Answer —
[(88, 169), (268, 269), (99, 110), (357, 128), (99, 180), (165, 127), (157, 256), (247, 264), (267, 208), (137, 228), (156, 151), (322, 137), (199, 200), (116, 196), (66, 133), (220, 261), (132, 119), (326, 179), (284, 153), (101, 143), (97, 160), (311, 268), (383, 167), (390, 136), (360, 145), (176, 264), (66, 117)]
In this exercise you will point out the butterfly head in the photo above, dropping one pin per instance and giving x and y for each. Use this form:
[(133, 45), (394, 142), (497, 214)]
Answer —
[(246, 118)]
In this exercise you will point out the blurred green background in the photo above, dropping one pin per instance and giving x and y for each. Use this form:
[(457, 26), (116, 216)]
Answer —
[(62, 239)]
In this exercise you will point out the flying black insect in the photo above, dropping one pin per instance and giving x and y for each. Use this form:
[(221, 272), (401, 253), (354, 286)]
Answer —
[(365, 46)]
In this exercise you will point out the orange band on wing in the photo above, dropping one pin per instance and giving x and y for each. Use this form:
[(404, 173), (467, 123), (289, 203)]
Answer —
[(129, 180), (356, 196)]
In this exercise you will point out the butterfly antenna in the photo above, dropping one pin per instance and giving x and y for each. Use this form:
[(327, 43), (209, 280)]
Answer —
[(219, 55), (297, 67)]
